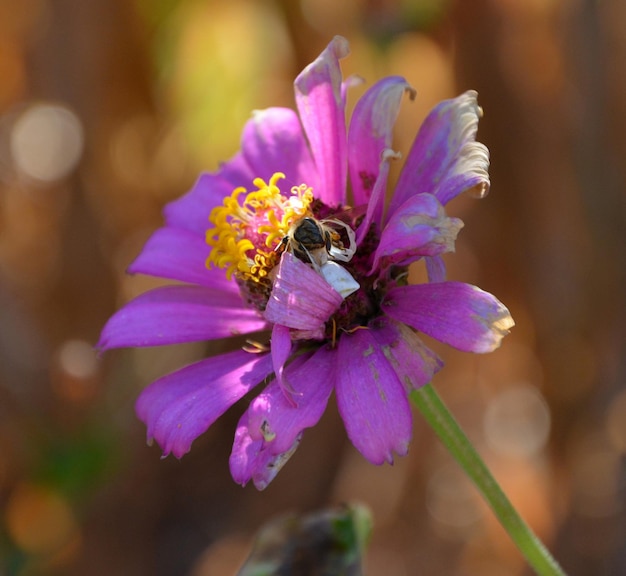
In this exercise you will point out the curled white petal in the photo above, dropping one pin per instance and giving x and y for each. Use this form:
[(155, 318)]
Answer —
[(339, 278)]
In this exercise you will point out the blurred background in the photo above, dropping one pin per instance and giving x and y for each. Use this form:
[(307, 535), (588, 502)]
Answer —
[(110, 108)]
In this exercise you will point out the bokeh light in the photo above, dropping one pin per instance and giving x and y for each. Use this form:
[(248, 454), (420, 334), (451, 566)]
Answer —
[(76, 370), (39, 520), (452, 502), (517, 422), (47, 142)]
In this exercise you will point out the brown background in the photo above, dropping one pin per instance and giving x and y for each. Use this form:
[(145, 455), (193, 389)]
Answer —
[(110, 108)]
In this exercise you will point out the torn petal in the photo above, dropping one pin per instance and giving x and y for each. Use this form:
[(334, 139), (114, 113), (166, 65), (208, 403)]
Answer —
[(252, 460), (278, 421)]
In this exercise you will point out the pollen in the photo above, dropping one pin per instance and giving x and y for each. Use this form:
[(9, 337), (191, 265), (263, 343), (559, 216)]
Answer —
[(249, 225)]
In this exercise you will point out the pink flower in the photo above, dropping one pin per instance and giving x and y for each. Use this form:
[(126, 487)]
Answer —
[(286, 254)]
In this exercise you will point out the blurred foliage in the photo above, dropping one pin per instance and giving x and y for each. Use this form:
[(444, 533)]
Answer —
[(77, 463), (209, 95), (326, 543)]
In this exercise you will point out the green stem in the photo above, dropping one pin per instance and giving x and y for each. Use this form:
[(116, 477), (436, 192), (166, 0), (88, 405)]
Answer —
[(454, 439)]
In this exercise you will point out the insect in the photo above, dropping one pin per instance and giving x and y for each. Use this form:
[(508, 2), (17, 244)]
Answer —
[(314, 241)]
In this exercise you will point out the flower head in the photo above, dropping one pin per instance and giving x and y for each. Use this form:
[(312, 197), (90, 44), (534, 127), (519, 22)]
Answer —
[(269, 242)]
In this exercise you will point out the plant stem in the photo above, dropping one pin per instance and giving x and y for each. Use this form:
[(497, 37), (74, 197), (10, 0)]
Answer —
[(455, 440)]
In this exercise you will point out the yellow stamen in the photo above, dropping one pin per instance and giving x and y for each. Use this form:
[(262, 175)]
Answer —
[(245, 233)]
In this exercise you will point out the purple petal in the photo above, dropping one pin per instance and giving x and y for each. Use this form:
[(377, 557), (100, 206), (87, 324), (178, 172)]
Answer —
[(350, 82), (192, 210), (180, 406), (271, 429), (414, 363), (370, 133), (273, 141), (372, 401), (458, 314), (179, 254), (176, 314), (375, 205), (445, 159), (245, 453), (322, 112), (419, 227), (252, 460), (281, 350), (277, 420), (435, 268), (301, 298)]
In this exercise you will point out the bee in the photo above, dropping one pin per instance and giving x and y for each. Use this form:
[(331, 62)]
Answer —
[(314, 241)]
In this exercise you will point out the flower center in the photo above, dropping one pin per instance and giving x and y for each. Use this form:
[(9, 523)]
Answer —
[(252, 229), (246, 233)]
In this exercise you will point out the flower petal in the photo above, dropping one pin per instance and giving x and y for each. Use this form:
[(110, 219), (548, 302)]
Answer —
[(176, 314), (339, 278), (180, 406), (435, 268), (414, 363), (192, 210), (458, 314), (179, 254), (281, 350), (370, 133), (322, 112), (252, 460), (301, 298), (348, 83), (445, 159), (374, 212), (270, 430), (371, 400), (272, 417), (273, 141), (419, 227)]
